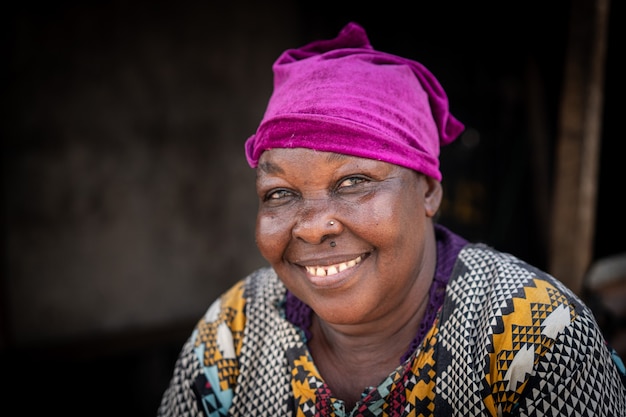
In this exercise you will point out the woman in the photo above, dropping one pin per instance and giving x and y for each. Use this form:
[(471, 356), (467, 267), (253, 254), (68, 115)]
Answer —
[(368, 307)]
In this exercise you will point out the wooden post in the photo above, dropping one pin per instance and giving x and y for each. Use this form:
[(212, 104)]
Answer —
[(578, 144)]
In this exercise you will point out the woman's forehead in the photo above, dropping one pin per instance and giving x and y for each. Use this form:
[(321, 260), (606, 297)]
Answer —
[(304, 162), (289, 154), (278, 159)]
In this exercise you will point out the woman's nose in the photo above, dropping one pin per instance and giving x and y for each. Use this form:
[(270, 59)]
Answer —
[(316, 223)]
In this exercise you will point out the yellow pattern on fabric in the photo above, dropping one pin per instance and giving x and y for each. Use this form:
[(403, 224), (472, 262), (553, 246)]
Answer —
[(526, 337), (425, 361), (302, 390), (230, 316)]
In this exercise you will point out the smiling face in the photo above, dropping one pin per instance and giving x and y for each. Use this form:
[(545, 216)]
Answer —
[(351, 237)]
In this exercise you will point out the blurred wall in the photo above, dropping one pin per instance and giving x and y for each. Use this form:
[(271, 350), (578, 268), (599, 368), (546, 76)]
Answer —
[(129, 202)]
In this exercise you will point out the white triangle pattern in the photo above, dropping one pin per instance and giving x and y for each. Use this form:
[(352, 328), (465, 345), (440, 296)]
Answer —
[(475, 301), (264, 382)]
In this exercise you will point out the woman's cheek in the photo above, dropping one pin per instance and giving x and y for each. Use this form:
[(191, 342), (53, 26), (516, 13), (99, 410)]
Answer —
[(270, 236)]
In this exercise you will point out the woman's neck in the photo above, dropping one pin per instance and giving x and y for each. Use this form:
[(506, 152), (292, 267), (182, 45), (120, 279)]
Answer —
[(367, 356)]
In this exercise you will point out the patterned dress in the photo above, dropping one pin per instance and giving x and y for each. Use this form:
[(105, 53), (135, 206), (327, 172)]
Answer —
[(507, 340)]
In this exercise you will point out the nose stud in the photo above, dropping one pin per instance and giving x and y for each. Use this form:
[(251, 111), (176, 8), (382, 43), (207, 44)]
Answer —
[(332, 243)]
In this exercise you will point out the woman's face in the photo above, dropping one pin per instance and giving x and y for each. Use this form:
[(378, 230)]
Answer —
[(351, 237)]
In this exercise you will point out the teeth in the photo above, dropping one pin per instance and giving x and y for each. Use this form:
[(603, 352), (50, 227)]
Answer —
[(324, 271)]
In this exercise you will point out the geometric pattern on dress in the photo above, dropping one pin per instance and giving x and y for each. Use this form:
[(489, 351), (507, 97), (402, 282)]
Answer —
[(419, 383), (219, 336), (209, 359), (597, 398), (264, 380), (484, 337), (308, 389), (536, 317), (470, 315), (179, 398), (499, 346)]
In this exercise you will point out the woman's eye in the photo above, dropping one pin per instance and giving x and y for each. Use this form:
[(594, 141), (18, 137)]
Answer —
[(277, 195), (351, 182)]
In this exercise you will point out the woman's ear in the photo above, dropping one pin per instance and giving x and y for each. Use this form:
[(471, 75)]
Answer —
[(432, 196)]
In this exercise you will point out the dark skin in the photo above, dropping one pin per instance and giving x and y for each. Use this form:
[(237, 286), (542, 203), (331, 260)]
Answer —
[(369, 290)]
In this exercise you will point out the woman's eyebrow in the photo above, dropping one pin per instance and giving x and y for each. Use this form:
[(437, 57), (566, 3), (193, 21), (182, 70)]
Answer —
[(334, 157), (270, 168)]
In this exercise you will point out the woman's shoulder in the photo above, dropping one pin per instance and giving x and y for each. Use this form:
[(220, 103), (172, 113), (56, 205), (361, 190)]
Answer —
[(479, 263), (523, 328), (501, 287), (262, 286)]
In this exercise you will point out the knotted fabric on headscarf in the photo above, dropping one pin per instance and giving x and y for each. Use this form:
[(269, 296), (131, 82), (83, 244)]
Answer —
[(342, 96)]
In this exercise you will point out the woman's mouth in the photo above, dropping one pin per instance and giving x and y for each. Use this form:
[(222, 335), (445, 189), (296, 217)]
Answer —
[(325, 271)]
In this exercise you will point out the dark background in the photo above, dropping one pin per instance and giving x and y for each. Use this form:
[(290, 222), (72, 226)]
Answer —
[(127, 202)]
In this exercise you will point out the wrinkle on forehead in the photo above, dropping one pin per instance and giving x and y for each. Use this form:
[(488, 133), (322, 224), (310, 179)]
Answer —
[(272, 168)]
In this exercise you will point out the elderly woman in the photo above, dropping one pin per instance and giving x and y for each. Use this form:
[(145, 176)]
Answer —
[(368, 307)]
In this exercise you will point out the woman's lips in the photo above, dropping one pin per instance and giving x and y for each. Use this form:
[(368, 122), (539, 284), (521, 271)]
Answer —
[(333, 276), (325, 271)]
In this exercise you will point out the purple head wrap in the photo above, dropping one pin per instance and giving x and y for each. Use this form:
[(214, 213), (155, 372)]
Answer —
[(342, 96)]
